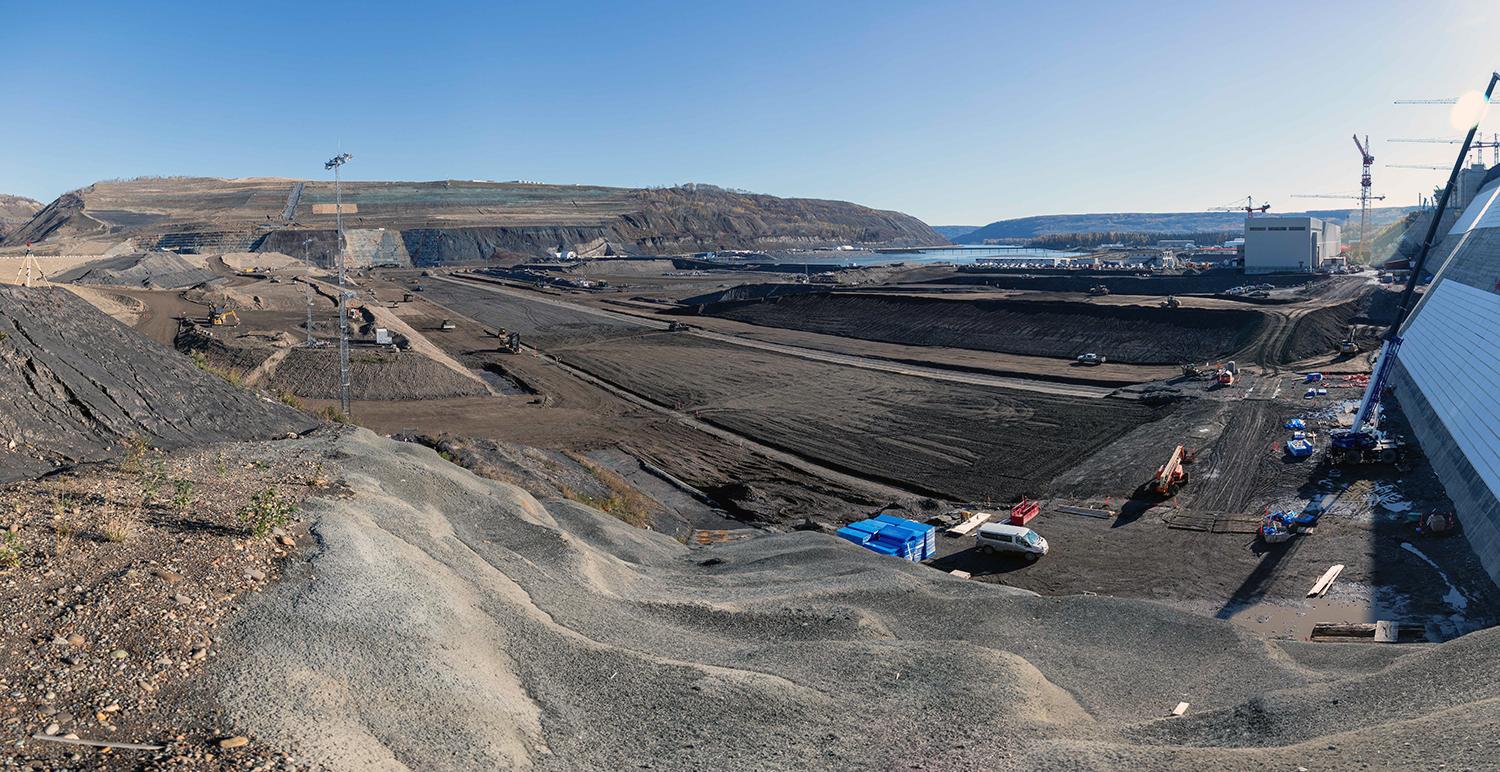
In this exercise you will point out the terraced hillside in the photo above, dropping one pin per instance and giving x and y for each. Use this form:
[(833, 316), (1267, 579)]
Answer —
[(430, 223)]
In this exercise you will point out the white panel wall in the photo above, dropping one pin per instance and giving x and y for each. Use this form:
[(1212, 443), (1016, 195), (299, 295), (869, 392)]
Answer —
[(1451, 353), (1482, 212)]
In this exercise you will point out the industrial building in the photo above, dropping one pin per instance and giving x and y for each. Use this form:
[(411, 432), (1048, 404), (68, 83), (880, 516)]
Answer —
[(1289, 244), (1446, 370)]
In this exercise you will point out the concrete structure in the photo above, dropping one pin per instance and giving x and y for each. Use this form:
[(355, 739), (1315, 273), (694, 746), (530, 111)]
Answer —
[(1448, 367), (1288, 244)]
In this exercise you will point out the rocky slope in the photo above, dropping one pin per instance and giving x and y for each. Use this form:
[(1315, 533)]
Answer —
[(429, 223), (15, 211), (77, 384), (448, 622)]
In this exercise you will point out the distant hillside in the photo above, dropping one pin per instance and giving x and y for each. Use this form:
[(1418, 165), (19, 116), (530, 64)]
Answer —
[(429, 223), (951, 232), (1025, 228), (15, 211)]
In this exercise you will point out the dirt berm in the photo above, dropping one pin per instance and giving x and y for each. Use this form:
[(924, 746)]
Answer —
[(1133, 334), (76, 383), (450, 622)]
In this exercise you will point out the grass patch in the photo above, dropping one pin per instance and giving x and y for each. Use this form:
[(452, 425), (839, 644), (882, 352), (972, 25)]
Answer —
[(11, 550), (266, 512), (623, 501), (231, 377)]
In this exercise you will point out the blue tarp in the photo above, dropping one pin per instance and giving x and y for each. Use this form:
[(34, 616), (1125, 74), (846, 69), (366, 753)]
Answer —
[(890, 535)]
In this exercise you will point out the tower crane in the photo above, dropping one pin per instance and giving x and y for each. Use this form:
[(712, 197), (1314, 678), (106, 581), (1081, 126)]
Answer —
[(1415, 166), (1249, 207), (1363, 197), (1477, 146)]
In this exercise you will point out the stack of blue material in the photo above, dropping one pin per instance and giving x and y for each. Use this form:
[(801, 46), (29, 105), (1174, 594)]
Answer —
[(894, 536)]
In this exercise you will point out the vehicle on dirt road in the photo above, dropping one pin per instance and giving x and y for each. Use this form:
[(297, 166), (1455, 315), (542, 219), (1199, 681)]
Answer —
[(1098, 290), (995, 538), (1090, 359)]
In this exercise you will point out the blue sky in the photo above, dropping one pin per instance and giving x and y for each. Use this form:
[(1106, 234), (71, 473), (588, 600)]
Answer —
[(956, 112)]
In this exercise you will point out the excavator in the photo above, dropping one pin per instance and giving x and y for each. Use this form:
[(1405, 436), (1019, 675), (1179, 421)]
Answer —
[(1347, 346), (1171, 475), (1171, 302)]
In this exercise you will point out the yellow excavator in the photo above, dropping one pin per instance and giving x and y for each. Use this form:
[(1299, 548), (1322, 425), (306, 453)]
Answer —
[(221, 316)]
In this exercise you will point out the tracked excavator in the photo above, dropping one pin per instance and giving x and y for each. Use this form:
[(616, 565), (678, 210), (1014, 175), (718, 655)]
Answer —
[(1364, 441)]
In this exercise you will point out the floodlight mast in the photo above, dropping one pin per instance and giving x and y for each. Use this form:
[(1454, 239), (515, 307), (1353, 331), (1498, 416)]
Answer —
[(338, 229)]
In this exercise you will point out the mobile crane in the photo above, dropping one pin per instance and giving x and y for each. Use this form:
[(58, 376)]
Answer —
[(1363, 441)]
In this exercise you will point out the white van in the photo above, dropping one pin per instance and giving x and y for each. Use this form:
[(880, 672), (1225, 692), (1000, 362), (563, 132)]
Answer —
[(1004, 537)]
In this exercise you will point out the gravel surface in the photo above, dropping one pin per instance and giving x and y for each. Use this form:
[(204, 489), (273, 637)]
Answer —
[(78, 383), (154, 270), (448, 622)]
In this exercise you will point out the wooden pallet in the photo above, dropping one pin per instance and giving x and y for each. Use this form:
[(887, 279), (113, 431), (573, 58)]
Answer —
[(1212, 523), (720, 536)]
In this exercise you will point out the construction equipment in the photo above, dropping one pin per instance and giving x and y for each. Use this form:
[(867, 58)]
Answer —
[(1227, 375), (511, 341), (1363, 441), (1190, 370), (447, 325), (1171, 302), (1172, 475), (1098, 290), (1025, 512), (1249, 207), (221, 316), (1347, 346)]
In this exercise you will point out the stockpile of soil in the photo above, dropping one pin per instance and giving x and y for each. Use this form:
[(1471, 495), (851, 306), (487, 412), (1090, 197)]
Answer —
[(153, 270), (1133, 334), (226, 354), (373, 374), (540, 628), (1319, 332), (77, 383)]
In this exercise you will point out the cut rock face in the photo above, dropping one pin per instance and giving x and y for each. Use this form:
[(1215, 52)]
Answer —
[(75, 384)]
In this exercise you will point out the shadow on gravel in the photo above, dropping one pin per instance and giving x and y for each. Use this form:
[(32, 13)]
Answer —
[(979, 564), (1133, 510), (1255, 585)]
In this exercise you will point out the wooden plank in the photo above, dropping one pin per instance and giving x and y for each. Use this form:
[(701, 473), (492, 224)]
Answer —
[(964, 528), (97, 743), (961, 574), (1386, 631), (1102, 514), (1320, 587), (1180, 709)]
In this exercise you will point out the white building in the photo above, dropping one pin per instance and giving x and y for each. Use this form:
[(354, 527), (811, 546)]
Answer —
[(1289, 244)]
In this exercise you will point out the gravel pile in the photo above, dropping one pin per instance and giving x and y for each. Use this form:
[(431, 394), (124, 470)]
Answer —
[(449, 622), (77, 383), (153, 270)]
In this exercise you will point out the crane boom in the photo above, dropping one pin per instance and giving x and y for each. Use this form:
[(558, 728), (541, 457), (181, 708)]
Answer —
[(1358, 437)]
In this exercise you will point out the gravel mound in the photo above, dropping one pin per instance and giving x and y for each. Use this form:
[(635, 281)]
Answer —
[(153, 270), (373, 374), (76, 383), (1134, 334), (450, 622)]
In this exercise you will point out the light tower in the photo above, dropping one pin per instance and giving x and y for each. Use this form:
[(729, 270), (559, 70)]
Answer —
[(338, 229)]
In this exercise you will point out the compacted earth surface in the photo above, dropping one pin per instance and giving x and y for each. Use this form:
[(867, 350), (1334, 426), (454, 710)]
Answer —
[(612, 546)]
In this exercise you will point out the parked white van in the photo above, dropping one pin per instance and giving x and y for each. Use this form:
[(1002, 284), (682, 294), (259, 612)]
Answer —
[(1004, 537)]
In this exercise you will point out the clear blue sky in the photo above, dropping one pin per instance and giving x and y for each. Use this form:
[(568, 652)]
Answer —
[(956, 112)]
